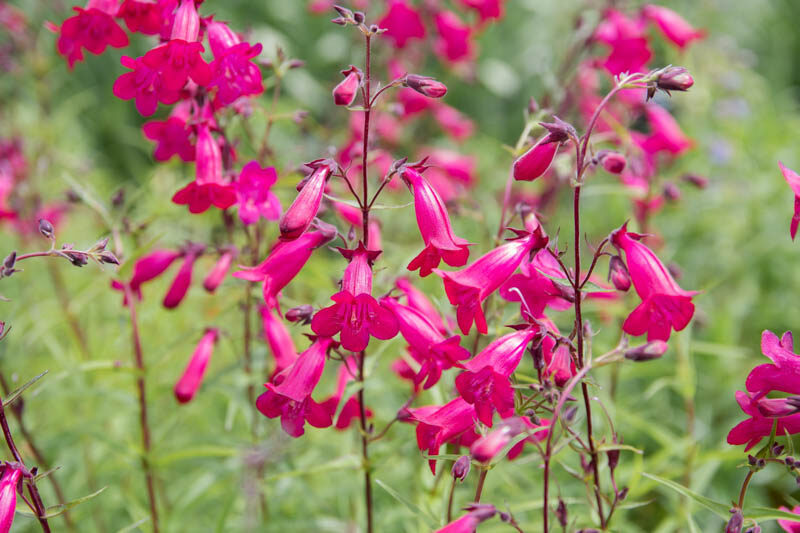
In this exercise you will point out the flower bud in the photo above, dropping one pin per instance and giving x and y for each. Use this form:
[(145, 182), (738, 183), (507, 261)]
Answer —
[(618, 274), (674, 79), (735, 523), (107, 256), (487, 447), (613, 459), (301, 313), (621, 495), (220, 270), (192, 377), (612, 162), (671, 192), (424, 85), (558, 130), (345, 93), (561, 513), (646, 352), (778, 407), (461, 468), (698, 181), (46, 229)]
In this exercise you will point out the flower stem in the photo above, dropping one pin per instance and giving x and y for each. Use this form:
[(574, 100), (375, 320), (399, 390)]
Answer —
[(142, 393), (365, 444), (450, 501), (365, 146), (745, 484), (479, 487)]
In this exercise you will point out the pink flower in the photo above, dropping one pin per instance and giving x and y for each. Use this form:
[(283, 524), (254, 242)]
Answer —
[(426, 343), (93, 28), (438, 425), (183, 279), (298, 217), (145, 269), (630, 51), (220, 270), (793, 180), (453, 122), (612, 162), (490, 445), (453, 43), (192, 377), (535, 162), (172, 136), (402, 23), (208, 188), (347, 89), (416, 299), (791, 526), (665, 306), (279, 340), (425, 85), (672, 25), (356, 314), (234, 73), (666, 134), (434, 226), (758, 426), (8, 496), (468, 287), (254, 196), (145, 85), (487, 9), (485, 383), (283, 263), (559, 365), (470, 521), (141, 16), (535, 289), (783, 374), (351, 409), (289, 395)]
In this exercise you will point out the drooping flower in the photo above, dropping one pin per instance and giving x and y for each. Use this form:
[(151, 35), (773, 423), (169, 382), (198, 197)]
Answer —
[(351, 410), (254, 197), (220, 270), (183, 279), (630, 50), (427, 345), (454, 41), (278, 339), (535, 162), (434, 226), (468, 287), (402, 23), (142, 16), (284, 262), (9, 480), (347, 89), (289, 395), (666, 134), (172, 136), (665, 306), (144, 85), (209, 187), (793, 179), (145, 269), (93, 28), (356, 314), (535, 288), (234, 73), (673, 26), (417, 299), (192, 377), (469, 523), (437, 425), (490, 445), (298, 217)]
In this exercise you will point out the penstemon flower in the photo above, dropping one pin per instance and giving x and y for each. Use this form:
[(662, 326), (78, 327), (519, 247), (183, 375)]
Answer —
[(9, 480), (278, 339), (298, 217), (93, 28), (793, 179), (192, 377), (253, 194)]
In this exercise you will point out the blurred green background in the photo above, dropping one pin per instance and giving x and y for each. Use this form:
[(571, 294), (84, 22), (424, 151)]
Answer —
[(730, 240)]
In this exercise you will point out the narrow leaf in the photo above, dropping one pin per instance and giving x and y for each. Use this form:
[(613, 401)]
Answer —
[(411, 506), (720, 509), (16, 393), (56, 510)]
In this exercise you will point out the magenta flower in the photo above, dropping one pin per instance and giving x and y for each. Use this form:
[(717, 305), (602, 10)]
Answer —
[(93, 28), (453, 122), (438, 425), (487, 9), (353, 216), (416, 299), (469, 522), (142, 16), (347, 89), (490, 445), (791, 526), (220, 270), (467, 288), (172, 136), (356, 314), (558, 362), (665, 306), (454, 41), (672, 25), (758, 426), (289, 395), (535, 289), (666, 134), (426, 343), (234, 73), (145, 269), (485, 384), (535, 162), (402, 23), (425, 85), (8, 496), (283, 263), (630, 51), (145, 85), (784, 372), (278, 339), (434, 226), (298, 217), (793, 179), (351, 410), (183, 279), (253, 193), (192, 377), (208, 188)]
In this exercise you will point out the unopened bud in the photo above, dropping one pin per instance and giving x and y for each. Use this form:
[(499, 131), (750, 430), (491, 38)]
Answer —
[(461, 468), (613, 459), (789, 460), (698, 181), (359, 17), (345, 93), (570, 413), (46, 229), (343, 11), (100, 245), (533, 105), (118, 198), (561, 513), (301, 313), (424, 85), (621, 495), (735, 523), (618, 274), (296, 63), (10, 260), (674, 79), (612, 162), (106, 256), (340, 21), (646, 352), (671, 192), (504, 517)]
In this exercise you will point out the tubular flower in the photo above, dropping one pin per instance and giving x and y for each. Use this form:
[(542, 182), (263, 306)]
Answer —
[(298, 217), (8, 496), (145, 269), (485, 383), (467, 288), (426, 343), (402, 23), (672, 25), (666, 134), (192, 377), (416, 299), (665, 306), (93, 28), (535, 162), (356, 314), (180, 285), (253, 193), (172, 136), (145, 85), (279, 340), (142, 16), (208, 188), (469, 522), (220, 270), (283, 263), (434, 226), (454, 42), (437, 425), (793, 180), (535, 289), (289, 395), (351, 409), (345, 92), (234, 73)]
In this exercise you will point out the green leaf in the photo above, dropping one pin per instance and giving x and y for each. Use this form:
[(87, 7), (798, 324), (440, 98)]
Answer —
[(134, 526), (766, 513), (56, 510), (417, 510), (199, 451), (720, 509), (609, 447), (16, 393)]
